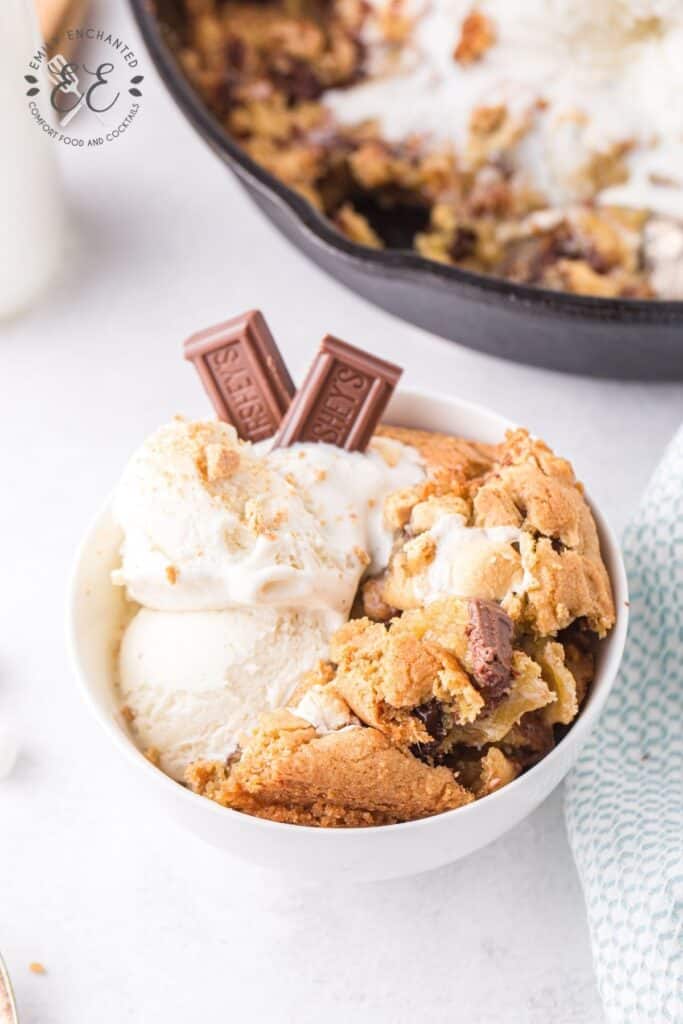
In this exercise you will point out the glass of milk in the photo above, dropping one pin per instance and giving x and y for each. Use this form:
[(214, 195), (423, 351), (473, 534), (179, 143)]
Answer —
[(31, 211)]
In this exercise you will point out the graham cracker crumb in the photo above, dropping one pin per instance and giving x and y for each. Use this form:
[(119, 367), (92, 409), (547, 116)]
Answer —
[(486, 120), (476, 37), (171, 574), (221, 462), (362, 555), (35, 967)]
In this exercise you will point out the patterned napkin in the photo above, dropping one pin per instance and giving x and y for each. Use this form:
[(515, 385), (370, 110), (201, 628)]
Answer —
[(624, 802)]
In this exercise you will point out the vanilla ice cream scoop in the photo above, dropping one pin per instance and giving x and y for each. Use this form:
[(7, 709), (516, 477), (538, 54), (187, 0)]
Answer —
[(245, 561), (194, 682), (211, 522)]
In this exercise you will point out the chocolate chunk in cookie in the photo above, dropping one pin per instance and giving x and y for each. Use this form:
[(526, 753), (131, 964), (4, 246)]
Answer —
[(490, 648), (431, 716)]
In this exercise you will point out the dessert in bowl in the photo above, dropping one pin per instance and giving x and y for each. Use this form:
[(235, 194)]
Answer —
[(349, 663)]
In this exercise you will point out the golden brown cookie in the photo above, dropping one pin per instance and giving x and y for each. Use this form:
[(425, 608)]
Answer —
[(438, 696), (422, 682), (534, 489), (519, 532), (404, 679), (289, 772)]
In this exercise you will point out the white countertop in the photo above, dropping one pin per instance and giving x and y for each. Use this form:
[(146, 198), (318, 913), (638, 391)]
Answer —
[(134, 920)]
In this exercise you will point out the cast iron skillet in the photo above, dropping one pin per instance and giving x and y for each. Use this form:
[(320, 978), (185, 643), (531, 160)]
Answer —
[(624, 338)]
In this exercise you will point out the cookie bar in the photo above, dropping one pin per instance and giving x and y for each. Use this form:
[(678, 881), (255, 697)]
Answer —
[(352, 776), (421, 679), (428, 701), (396, 728), (518, 531)]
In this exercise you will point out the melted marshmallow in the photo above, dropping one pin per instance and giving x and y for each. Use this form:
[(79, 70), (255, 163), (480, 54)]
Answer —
[(606, 71), (471, 561)]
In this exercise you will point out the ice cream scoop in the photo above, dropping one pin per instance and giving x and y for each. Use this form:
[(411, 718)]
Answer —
[(193, 682), (245, 561), (211, 522)]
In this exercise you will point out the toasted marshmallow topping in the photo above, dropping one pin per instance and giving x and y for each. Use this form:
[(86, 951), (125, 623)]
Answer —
[(582, 77), (325, 711), (471, 562)]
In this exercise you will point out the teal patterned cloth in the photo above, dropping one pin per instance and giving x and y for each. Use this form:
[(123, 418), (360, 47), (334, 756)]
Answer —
[(624, 800)]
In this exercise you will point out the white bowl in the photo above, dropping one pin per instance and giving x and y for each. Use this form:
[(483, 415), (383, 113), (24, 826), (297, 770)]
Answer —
[(96, 611)]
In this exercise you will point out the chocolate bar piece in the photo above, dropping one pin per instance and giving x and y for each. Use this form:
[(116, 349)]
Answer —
[(243, 374), (342, 398), (490, 648)]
